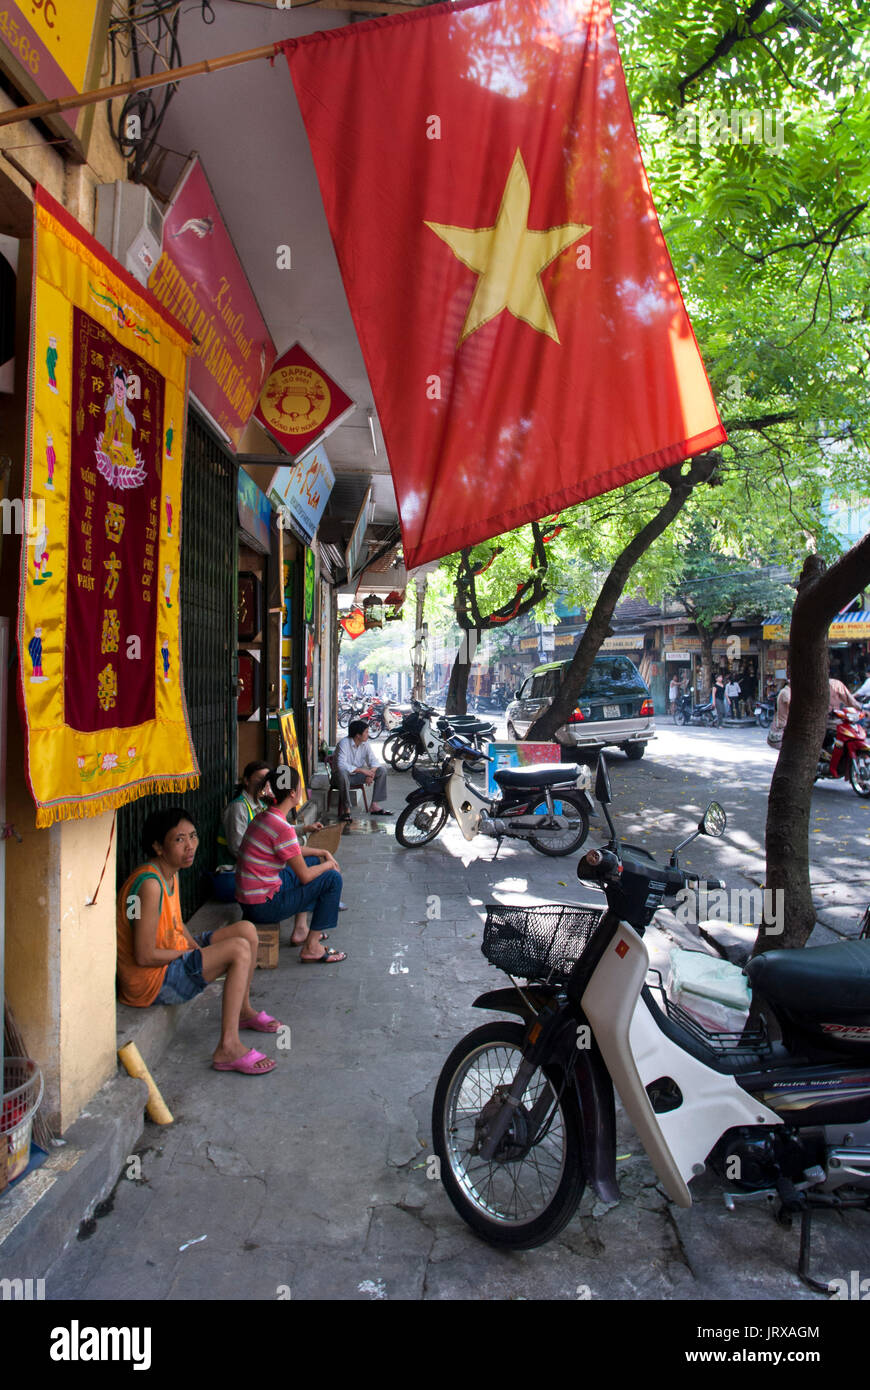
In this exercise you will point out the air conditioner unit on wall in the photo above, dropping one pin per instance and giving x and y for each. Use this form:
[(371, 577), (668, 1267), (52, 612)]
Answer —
[(130, 225)]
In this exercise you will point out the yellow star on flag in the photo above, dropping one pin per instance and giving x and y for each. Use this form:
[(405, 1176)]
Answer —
[(509, 259)]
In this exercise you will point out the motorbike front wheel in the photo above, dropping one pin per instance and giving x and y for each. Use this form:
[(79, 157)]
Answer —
[(574, 827), (376, 726), (403, 754), (420, 823), (763, 718), (530, 1189), (680, 717), (859, 776)]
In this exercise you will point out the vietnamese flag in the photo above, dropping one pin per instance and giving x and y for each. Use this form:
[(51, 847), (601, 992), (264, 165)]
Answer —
[(522, 327)]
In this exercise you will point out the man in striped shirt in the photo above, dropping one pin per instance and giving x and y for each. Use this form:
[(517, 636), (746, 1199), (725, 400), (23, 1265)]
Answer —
[(274, 880)]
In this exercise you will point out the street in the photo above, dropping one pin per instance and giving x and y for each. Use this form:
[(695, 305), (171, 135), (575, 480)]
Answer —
[(313, 1182)]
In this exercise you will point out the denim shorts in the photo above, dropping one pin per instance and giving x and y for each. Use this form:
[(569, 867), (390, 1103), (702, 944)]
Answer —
[(184, 980)]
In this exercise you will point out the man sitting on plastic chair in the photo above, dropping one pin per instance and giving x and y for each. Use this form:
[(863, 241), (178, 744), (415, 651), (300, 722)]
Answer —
[(357, 766)]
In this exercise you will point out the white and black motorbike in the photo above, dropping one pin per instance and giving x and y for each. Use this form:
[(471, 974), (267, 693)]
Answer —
[(423, 734), (548, 806), (524, 1113)]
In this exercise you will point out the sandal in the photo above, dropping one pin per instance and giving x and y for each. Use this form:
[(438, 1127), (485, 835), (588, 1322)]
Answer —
[(250, 1064), (302, 940), (329, 957), (261, 1023)]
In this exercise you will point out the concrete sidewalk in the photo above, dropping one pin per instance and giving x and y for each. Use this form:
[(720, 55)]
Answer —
[(312, 1182)]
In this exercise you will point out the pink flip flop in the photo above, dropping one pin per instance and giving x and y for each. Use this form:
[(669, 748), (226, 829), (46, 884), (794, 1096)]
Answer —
[(261, 1023), (247, 1064)]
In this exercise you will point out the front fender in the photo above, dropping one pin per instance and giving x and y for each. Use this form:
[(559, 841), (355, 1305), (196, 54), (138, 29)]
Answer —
[(593, 1088)]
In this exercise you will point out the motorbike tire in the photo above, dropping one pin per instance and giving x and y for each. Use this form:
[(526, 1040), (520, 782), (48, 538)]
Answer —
[(763, 718), (859, 776), (680, 717), (389, 744), (407, 825), (474, 1205), (572, 800), (376, 726), (344, 717), (403, 754), (709, 720)]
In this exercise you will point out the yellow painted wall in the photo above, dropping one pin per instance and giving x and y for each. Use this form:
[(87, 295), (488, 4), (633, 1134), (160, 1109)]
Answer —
[(60, 953)]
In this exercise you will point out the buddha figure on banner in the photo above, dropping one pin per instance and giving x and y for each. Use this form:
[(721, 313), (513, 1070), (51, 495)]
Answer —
[(117, 459)]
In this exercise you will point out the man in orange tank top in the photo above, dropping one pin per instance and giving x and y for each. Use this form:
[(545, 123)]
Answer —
[(159, 962)]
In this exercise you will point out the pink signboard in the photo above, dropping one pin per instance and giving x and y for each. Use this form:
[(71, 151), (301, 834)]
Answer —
[(200, 280)]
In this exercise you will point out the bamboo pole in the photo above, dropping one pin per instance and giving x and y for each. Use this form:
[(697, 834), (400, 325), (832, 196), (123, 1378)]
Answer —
[(135, 84), (155, 1104)]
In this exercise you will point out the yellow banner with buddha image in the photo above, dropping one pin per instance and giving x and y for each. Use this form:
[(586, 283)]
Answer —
[(99, 627)]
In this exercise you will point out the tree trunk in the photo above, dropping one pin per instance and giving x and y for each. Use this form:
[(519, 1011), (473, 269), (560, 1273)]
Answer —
[(418, 688), (706, 637), (700, 470), (458, 688), (821, 595)]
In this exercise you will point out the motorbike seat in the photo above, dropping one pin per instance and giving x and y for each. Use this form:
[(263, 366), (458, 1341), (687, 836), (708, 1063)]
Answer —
[(526, 778), (816, 980)]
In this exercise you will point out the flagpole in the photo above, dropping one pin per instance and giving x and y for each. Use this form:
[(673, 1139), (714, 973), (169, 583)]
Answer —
[(135, 84)]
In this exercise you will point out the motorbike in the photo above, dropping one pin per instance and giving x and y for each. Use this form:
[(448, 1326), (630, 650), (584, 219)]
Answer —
[(849, 755), (548, 806), (764, 712), (687, 713), (423, 732), (524, 1114)]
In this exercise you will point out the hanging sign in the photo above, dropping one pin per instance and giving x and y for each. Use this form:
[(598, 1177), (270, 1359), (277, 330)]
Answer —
[(303, 490), (99, 629), (300, 404), (199, 278)]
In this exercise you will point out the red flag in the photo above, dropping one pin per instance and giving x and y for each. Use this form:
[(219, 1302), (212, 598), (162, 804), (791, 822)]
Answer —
[(524, 334)]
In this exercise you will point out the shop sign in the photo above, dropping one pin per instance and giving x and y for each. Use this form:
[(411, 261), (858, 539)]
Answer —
[(300, 404), (566, 639), (678, 656), (353, 554), (303, 490), (255, 512), (200, 280), (52, 48), (774, 632), (850, 627), (528, 644), (627, 642)]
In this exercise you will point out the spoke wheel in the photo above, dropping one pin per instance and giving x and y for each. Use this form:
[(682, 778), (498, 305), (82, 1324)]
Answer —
[(403, 754), (859, 776), (573, 823), (530, 1189), (420, 823), (680, 717)]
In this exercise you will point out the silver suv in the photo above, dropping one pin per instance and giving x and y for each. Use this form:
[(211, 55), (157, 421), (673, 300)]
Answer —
[(615, 706)]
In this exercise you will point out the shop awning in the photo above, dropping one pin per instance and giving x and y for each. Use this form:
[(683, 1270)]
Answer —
[(846, 627)]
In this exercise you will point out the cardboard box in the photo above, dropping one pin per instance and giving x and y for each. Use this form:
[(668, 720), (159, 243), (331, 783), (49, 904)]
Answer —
[(267, 950)]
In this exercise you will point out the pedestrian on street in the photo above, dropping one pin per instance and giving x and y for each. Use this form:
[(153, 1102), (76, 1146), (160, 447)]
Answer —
[(718, 695), (673, 692), (732, 694)]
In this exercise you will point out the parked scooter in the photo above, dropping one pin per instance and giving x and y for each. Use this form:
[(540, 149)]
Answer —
[(849, 757), (764, 712), (423, 734), (687, 713), (548, 806), (524, 1112)]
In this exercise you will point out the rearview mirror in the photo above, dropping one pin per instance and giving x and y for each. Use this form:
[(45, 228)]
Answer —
[(714, 820), (603, 792)]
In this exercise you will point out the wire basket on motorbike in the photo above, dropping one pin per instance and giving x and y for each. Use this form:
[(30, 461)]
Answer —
[(538, 943)]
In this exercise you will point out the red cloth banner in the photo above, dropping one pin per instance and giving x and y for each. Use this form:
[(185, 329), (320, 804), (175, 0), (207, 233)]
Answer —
[(114, 524), (522, 327)]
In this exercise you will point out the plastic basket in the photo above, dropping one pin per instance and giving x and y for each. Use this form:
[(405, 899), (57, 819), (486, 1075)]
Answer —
[(22, 1093), (538, 943)]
